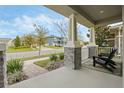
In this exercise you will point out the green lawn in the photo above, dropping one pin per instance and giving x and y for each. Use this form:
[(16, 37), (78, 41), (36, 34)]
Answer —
[(12, 49), (44, 63), (25, 49), (35, 57)]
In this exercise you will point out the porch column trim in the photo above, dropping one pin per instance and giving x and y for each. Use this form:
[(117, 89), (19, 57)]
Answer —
[(93, 48), (92, 36), (72, 40), (73, 28), (72, 50)]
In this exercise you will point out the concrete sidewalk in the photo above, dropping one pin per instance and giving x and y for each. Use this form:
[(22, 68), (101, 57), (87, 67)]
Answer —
[(32, 70)]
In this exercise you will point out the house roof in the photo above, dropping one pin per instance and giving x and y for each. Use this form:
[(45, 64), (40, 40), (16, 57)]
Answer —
[(52, 36), (5, 39)]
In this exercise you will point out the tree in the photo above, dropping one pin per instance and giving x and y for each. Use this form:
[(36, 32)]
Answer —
[(28, 40), (101, 34), (41, 32), (17, 41), (62, 27)]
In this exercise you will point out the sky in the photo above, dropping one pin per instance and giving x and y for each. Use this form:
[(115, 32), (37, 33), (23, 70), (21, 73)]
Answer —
[(18, 20)]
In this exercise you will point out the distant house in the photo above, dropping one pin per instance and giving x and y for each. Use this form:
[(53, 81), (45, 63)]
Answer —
[(7, 41), (55, 41)]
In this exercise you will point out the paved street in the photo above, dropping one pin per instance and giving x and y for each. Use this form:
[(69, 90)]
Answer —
[(31, 53)]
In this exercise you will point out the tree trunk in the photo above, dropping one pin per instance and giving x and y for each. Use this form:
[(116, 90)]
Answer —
[(39, 49)]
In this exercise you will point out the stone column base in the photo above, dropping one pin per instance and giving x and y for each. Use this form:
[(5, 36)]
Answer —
[(1, 70), (3, 80), (72, 57)]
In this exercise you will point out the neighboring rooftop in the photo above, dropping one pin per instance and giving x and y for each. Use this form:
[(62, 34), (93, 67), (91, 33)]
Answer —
[(5, 39), (52, 36)]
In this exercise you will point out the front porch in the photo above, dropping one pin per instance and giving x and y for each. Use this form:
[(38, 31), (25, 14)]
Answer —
[(73, 74), (67, 78)]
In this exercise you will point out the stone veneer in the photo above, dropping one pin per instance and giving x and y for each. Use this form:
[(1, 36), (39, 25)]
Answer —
[(1, 70), (72, 57)]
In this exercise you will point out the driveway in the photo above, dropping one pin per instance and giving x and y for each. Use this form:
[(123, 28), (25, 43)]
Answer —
[(32, 53)]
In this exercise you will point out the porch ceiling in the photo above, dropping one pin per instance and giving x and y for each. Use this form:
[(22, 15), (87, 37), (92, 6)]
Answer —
[(90, 15)]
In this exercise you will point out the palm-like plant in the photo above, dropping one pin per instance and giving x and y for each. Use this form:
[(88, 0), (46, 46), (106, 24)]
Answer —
[(14, 65)]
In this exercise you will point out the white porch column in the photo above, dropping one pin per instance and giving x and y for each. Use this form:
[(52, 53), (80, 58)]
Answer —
[(92, 36), (72, 41), (123, 44), (93, 48), (73, 28), (72, 51)]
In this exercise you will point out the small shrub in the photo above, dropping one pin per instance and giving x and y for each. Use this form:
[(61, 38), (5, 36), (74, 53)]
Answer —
[(52, 66), (14, 65), (53, 57), (16, 77), (61, 56)]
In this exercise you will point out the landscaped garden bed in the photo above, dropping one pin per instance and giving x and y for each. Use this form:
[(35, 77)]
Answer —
[(46, 64), (55, 61), (15, 66), (15, 71)]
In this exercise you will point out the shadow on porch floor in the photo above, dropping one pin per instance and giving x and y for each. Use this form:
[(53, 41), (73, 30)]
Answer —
[(118, 71)]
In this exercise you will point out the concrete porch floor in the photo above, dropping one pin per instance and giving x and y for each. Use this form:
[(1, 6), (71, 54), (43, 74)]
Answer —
[(67, 78)]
